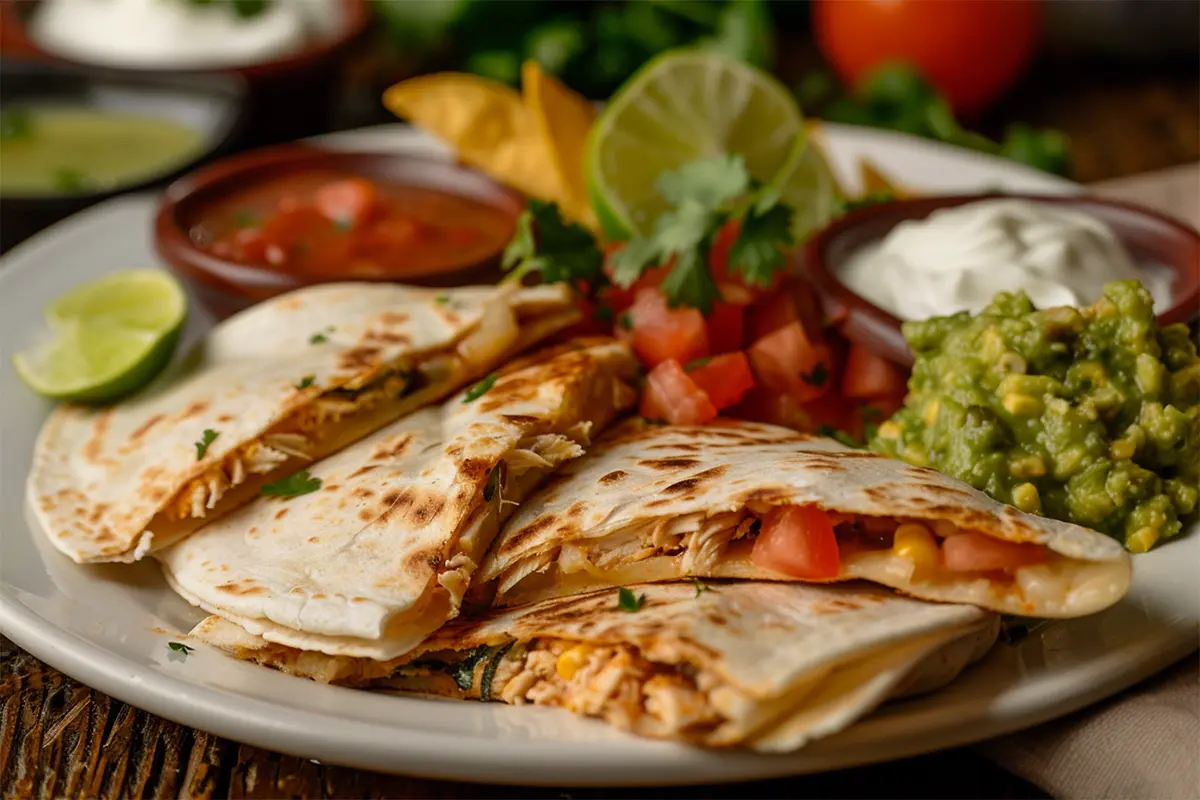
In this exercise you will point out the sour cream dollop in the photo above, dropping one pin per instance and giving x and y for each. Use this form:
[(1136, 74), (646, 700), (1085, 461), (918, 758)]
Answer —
[(165, 34), (958, 258)]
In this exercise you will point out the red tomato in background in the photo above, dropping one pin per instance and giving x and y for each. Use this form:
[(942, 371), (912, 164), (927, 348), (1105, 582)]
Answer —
[(787, 362), (971, 50), (725, 379), (725, 325), (869, 375)]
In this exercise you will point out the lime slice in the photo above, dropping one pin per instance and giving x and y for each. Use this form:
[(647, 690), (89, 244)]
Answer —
[(810, 189), (112, 336), (680, 107)]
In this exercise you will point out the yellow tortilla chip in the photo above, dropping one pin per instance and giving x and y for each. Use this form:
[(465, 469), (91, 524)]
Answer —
[(564, 119), (875, 182), (487, 124)]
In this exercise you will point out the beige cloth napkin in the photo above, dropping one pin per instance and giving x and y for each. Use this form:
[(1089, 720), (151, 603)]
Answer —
[(1143, 744)]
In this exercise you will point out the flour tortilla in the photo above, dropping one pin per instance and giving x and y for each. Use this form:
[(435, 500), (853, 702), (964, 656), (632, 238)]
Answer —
[(655, 503), (765, 665), (111, 484), (382, 553)]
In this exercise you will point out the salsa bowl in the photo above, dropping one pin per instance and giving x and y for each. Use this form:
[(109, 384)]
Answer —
[(1154, 241), (269, 221)]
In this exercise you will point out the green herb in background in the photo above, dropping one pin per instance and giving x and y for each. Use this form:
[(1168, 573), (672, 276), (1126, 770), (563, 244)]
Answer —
[(628, 601), (16, 124), (67, 179), (206, 438), (557, 250), (480, 389), (896, 97), (292, 486)]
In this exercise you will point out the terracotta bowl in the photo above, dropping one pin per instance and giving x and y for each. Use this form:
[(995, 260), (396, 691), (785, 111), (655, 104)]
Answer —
[(225, 287), (1149, 236)]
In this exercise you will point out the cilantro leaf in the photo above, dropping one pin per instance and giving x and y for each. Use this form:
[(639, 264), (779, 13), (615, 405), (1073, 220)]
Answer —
[(305, 382), (690, 282), (442, 299), (558, 250), (625, 321), (180, 647), (684, 228), (758, 251), (696, 363), (631, 261), (709, 183), (480, 389), (318, 338), (818, 376), (628, 601), (701, 586), (292, 486), (206, 438)]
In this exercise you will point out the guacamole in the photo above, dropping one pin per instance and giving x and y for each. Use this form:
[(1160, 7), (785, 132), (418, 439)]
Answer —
[(1086, 415)]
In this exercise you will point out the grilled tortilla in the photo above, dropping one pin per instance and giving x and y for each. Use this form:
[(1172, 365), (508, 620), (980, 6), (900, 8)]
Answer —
[(284, 383), (381, 554), (764, 665), (653, 503)]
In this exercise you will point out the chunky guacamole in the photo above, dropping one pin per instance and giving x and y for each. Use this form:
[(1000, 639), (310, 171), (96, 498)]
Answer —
[(1087, 415)]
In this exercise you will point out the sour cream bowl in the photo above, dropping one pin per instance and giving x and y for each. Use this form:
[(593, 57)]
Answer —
[(1164, 250)]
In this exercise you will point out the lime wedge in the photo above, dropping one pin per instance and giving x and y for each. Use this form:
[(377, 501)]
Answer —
[(810, 189), (112, 336), (680, 107)]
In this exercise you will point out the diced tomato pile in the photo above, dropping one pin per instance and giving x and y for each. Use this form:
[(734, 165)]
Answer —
[(765, 354)]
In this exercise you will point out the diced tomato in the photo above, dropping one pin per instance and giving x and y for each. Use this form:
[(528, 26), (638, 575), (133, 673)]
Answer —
[(718, 254), (725, 327), (975, 552), (869, 375), (788, 362), (661, 333), (725, 379), (794, 301), (798, 541), (831, 411), (671, 395), (347, 201)]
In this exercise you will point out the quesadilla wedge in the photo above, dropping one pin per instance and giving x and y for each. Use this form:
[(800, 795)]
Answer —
[(744, 500), (283, 383), (758, 664), (379, 552)]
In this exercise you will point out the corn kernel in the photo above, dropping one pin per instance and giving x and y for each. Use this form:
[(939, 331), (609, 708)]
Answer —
[(1123, 449), (1141, 540), (889, 430), (1021, 404), (918, 545), (931, 412), (1011, 362), (1028, 467), (1026, 498), (570, 661)]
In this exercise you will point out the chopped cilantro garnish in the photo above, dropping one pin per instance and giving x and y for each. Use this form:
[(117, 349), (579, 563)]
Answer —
[(306, 382), (557, 250), (318, 338), (817, 377), (628, 601), (292, 486), (696, 363), (480, 389), (206, 439), (442, 299), (701, 586), (180, 647)]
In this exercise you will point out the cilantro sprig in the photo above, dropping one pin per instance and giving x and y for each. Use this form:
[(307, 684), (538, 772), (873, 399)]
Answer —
[(628, 601), (292, 486), (557, 250), (206, 438), (480, 389), (705, 197)]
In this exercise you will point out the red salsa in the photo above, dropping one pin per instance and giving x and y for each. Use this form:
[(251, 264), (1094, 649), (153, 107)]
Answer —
[(329, 223)]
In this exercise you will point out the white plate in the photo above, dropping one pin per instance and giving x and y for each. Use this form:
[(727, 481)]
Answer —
[(108, 626)]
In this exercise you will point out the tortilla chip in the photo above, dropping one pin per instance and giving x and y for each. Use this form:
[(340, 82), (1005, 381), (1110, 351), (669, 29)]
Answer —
[(875, 182), (564, 118), (487, 124)]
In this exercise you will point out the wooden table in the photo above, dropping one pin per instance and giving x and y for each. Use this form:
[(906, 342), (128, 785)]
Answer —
[(61, 739)]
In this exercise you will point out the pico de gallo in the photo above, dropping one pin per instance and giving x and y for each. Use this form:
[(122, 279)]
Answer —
[(714, 313)]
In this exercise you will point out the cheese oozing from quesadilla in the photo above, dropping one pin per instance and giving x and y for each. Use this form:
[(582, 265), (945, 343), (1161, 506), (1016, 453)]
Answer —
[(691, 663), (267, 392), (734, 501)]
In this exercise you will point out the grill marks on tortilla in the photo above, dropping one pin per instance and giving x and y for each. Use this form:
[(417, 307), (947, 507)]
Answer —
[(391, 449), (613, 477), (358, 359), (668, 463), (94, 447), (522, 387), (142, 430)]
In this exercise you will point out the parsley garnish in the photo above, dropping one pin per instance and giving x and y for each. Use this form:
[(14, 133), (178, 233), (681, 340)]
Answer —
[(817, 377), (318, 338), (628, 601), (480, 389), (701, 586), (557, 250), (292, 486), (306, 382), (442, 299), (206, 439), (180, 647)]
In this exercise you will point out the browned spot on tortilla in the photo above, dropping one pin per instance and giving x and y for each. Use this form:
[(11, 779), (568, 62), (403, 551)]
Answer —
[(253, 530), (766, 494), (365, 514), (225, 418), (313, 540), (195, 409), (520, 419), (392, 318), (98, 511), (475, 470), (358, 358), (244, 588), (145, 427), (835, 606), (685, 485), (95, 445), (680, 462), (281, 513), (716, 619), (318, 596), (363, 470), (577, 508), (662, 501), (712, 473), (363, 492), (514, 542), (392, 448), (331, 487), (387, 337), (683, 447), (612, 477)]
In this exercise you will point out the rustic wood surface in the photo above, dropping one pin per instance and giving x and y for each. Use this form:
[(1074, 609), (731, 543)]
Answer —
[(59, 738)]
